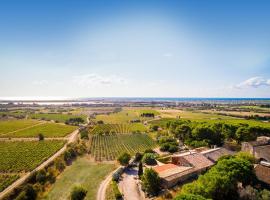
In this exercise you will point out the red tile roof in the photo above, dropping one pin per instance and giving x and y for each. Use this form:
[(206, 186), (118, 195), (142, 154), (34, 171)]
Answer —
[(165, 167), (263, 173)]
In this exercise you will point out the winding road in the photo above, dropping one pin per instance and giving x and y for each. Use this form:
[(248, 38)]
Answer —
[(101, 194)]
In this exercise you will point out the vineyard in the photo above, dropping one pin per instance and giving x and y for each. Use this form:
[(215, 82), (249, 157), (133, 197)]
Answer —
[(118, 128), (14, 125), (125, 116), (6, 180), (25, 156), (109, 147), (47, 129)]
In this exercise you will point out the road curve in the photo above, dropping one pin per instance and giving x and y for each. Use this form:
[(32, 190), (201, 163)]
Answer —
[(101, 194)]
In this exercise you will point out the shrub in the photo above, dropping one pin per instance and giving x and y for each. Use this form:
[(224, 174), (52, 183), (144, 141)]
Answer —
[(124, 158), (78, 193), (117, 193), (84, 135), (149, 159), (40, 137), (41, 176), (190, 197), (27, 193), (59, 164), (151, 181), (138, 157)]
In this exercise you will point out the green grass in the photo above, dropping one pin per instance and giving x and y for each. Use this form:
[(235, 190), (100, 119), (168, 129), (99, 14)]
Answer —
[(13, 125), (82, 172), (55, 116), (118, 128), (148, 111), (6, 180), (109, 147), (125, 116), (47, 129), (25, 156), (235, 121)]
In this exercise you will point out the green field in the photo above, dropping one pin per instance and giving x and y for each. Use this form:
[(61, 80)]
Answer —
[(14, 125), (162, 122), (55, 116), (109, 147), (6, 180), (118, 128), (125, 116), (47, 129), (25, 156), (82, 172)]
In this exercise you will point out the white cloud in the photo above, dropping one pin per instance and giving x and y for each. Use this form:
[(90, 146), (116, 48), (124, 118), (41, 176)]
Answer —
[(253, 82), (93, 79)]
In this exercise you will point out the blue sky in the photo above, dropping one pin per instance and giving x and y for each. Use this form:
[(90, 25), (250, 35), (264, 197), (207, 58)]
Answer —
[(134, 48)]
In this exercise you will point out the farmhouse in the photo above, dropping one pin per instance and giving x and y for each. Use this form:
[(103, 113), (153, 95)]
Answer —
[(215, 154), (260, 148), (183, 167)]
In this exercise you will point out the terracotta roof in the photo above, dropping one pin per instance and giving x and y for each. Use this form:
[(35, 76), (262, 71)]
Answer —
[(263, 173), (165, 167), (169, 171)]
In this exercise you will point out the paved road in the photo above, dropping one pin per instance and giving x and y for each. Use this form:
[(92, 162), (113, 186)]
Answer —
[(22, 179), (128, 185)]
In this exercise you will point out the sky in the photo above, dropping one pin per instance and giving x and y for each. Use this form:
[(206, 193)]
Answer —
[(143, 48)]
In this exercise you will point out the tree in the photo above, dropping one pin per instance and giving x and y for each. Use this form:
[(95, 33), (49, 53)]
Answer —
[(140, 169), (220, 182), (189, 197), (27, 193), (154, 127), (59, 164), (78, 193), (183, 132), (40, 137), (124, 158), (84, 134), (151, 181), (41, 176), (75, 121), (149, 159), (138, 157), (244, 134)]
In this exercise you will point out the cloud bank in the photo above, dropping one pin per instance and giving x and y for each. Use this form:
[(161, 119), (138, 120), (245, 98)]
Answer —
[(254, 82), (93, 79)]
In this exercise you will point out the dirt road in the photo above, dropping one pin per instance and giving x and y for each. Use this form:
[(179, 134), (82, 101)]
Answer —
[(128, 185), (101, 194)]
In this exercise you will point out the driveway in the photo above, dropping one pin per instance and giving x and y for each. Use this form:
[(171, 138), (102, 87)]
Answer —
[(128, 185)]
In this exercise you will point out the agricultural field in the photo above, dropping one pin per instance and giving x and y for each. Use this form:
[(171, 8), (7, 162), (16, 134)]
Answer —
[(125, 116), (109, 147), (6, 180), (192, 115), (47, 129), (57, 117), (82, 172), (235, 121), (15, 125), (25, 156), (118, 128)]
